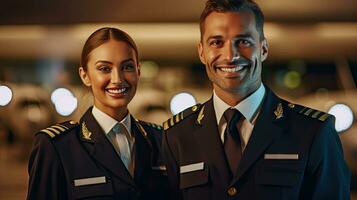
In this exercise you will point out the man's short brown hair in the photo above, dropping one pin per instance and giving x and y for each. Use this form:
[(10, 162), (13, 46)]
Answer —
[(221, 6)]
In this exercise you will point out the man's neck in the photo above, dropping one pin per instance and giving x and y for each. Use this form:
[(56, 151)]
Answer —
[(232, 98)]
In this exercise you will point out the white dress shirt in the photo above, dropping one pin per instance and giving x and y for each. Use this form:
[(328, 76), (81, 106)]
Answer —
[(107, 123), (249, 107)]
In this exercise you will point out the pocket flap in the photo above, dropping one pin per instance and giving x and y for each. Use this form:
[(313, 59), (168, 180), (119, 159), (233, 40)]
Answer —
[(194, 178), (284, 174)]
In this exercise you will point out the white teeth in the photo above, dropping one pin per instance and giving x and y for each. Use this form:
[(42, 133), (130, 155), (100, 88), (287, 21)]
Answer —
[(234, 69), (117, 91)]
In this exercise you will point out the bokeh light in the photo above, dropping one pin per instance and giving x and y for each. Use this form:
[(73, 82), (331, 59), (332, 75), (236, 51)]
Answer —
[(149, 69), (292, 79), (59, 93), (5, 95), (344, 116), (65, 102), (181, 101)]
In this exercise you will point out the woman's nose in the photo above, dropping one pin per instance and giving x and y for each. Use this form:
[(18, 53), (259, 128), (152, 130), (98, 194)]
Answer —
[(116, 76)]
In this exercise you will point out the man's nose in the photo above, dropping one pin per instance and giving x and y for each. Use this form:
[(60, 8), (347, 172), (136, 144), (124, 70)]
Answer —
[(231, 52)]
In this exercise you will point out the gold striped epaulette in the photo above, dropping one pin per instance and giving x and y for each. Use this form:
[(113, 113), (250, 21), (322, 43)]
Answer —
[(180, 116), (155, 126), (315, 114), (57, 129)]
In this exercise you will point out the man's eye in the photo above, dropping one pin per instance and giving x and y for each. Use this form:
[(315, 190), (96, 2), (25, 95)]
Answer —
[(215, 43), (244, 43)]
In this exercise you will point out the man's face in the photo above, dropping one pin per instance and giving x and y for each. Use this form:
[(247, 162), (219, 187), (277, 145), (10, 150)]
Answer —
[(232, 52)]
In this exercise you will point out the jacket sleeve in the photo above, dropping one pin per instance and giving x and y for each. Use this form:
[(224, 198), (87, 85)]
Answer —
[(172, 169), (328, 176), (46, 179)]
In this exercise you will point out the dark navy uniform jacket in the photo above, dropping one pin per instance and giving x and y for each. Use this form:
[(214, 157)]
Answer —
[(294, 153), (77, 161)]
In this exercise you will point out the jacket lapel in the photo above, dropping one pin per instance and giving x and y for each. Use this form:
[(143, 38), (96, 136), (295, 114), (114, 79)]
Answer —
[(209, 141), (267, 127), (143, 150), (100, 148)]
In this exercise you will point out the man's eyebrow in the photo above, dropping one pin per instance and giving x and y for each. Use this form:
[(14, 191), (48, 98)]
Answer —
[(244, 35), (213, 37)]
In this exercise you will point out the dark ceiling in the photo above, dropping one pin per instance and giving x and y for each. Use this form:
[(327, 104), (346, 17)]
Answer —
[(167, 29), (133, 11)]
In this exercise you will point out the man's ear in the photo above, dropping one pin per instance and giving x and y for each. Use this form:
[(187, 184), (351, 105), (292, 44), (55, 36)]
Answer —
[(84, 76), (264, 50), (200, 53)]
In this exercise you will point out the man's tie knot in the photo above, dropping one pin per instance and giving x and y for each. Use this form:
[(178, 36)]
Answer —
[(232, 116)]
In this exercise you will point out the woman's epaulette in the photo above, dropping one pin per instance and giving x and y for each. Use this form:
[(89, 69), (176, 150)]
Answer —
[(180, 116), (155, 126), (58, 129), (315, 114)]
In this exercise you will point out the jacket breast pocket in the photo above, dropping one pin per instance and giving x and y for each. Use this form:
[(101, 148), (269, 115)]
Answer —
[(280, 173), (102, 190), (194, 178)]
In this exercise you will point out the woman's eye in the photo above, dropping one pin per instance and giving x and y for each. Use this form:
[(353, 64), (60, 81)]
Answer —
[(129, 68), (104, 69)]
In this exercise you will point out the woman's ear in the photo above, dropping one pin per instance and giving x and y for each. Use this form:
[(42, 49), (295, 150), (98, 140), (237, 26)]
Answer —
[(84, 76), (139, 66)]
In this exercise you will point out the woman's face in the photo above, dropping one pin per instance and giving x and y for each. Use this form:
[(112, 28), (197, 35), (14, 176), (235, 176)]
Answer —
[(112, 73)]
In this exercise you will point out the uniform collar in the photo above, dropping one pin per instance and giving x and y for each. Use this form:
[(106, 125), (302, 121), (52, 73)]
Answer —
[(107, 123), (249, 107)]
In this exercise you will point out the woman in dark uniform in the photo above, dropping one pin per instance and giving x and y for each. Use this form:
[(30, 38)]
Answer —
[(108, 154)]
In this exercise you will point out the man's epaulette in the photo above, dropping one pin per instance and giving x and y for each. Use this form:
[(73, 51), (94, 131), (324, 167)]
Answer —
[(58, 129), (315, 114), (180, 116), (155, 126)]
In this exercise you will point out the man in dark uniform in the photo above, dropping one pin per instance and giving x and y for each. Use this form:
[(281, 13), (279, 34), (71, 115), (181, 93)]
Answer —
[(83, 164), (246, 142)]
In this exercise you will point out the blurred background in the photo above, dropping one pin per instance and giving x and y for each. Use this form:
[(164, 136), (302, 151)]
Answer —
[(312, 61)]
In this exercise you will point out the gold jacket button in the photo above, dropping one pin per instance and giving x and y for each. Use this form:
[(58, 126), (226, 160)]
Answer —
[(72, 122), (232, 191)]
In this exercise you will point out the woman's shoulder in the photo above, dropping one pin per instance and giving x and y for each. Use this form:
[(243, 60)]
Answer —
[(58, 130), (150, 129), (151, 126)]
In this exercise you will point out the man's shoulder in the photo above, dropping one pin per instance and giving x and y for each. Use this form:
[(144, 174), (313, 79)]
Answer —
[(306, 113), (188, 116)]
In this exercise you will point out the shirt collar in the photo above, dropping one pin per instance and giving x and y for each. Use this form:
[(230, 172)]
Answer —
[(107, 123), (248, 107)]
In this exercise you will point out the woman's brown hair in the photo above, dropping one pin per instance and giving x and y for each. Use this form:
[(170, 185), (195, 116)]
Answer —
[(102, 36)]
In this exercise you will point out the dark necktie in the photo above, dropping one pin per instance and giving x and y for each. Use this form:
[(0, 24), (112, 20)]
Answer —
[(232, 142)]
